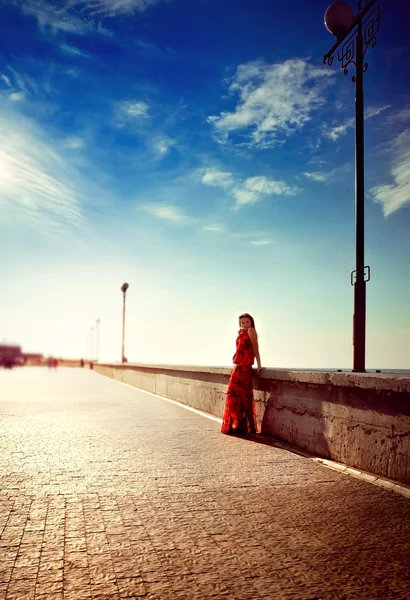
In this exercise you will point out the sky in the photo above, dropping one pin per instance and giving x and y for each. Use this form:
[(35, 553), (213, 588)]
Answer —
[(201, 152)]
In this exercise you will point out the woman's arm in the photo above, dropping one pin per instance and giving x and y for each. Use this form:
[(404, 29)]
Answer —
[(254, 340)]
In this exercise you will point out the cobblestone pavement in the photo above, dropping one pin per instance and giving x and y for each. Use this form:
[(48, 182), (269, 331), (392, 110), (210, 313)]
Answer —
[(109, 493)]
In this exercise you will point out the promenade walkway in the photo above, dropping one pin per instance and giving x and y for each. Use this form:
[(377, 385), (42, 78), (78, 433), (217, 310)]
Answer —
[(109, 493)]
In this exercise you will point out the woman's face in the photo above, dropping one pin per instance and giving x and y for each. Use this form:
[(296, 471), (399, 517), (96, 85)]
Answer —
[(245, 323)]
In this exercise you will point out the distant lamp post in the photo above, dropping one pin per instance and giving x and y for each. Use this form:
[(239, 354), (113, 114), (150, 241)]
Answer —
[(354, 36), (124, 289), (92, 344), (87, 344), (97, 341)]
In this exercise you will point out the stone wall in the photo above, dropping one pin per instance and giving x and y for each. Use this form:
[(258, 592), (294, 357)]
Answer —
[(361, 420)]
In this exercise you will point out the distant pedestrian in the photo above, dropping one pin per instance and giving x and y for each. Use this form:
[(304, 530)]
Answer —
[(55, 363), (239, 415)]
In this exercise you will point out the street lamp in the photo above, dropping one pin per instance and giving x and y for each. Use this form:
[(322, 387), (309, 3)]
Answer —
[(87, 344), (91, 343), (97, 327), (354, 36), (124, 289)]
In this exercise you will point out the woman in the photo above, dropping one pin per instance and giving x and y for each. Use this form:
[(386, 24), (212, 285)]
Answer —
[(239, 415)]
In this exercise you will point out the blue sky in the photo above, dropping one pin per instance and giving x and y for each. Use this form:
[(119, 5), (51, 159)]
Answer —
[(203, 153)]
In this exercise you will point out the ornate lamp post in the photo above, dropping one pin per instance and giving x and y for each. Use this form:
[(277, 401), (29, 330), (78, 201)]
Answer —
[(124, 289), (354, 36)]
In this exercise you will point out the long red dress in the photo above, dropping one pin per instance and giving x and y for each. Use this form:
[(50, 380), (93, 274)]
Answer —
[(239, 415)]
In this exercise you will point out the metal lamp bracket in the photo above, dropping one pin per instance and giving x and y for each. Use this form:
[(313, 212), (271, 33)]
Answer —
[(366, 275)]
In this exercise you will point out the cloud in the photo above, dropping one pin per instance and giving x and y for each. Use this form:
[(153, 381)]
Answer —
[(275, 100), (373, 111), (253, 189), (17, 96), (133, 110), (162, 146), (19, 81), (244, 196), (167, 212), (72, 50), (250, 190), (215, 228), (218, 178), (263, 185), (6, 80), (19, 85), (73, 143), (112, 8), (396, 195), (64, 19), (334, 133), (262, 242), (317, 176), (402, 116), (79, 17), (35, 181)]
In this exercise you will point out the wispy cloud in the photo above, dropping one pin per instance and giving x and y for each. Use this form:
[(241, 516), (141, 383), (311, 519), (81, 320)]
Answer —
[(218, 178), (162, 146), (269, 187), (114, 7), (396, 195), (252, 238), (79, 16), (250, 190), (64, 18), (214, 228), (275, 100), (402, 116), (18, 85), (334, 133), (253, 189), (315, 176), (6, 80), (73, 51), (17, 96), (167, 212), (132, 110), (15, 80), (73, 143), (35, 181), (262, 242), (373, 111)]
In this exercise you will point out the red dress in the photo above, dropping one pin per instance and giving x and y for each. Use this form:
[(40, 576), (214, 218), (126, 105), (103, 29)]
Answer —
[(239, 415)]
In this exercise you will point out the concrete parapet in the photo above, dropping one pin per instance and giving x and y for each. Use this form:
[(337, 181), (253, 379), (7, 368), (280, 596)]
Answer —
[(361, 420)]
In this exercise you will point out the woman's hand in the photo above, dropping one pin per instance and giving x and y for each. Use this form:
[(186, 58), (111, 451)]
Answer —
[(260, 369)]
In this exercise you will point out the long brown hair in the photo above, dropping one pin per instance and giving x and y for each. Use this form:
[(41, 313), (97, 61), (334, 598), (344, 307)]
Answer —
[(246, 316)]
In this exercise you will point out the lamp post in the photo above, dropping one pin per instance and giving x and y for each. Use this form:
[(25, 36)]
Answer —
[(354, 36), (97, 332), (124, 289), (87, 344), (91, 343)]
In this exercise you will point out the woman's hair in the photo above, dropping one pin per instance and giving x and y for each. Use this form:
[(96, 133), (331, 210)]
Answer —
[(246, 316)]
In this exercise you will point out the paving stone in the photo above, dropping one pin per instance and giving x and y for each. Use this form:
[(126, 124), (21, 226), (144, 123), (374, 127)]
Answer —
[(107, 493)]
